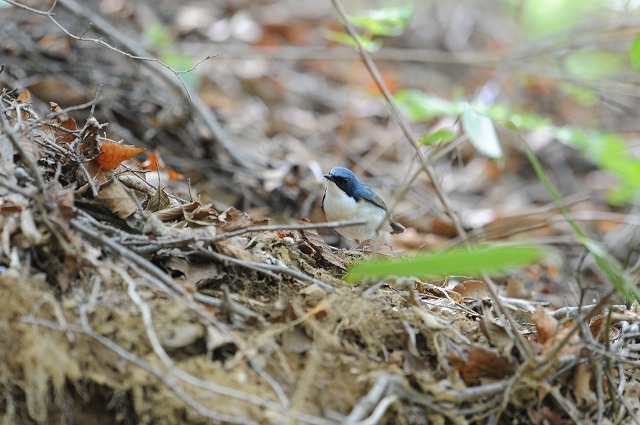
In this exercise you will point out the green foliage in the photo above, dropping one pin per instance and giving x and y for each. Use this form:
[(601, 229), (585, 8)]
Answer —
[(609, 266), (159, 36), (592, 64), (371, 45), (468, 261), (580, 95), (383, 22), (635, 52), (609, 151), (423, 107), (545, 17), (162, 39), (389, 21), (481, 132), (439, 136)]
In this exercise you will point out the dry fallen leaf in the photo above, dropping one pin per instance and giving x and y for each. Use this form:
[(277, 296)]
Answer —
[(581, 380), (547, 327), (112, 154), (313, 245), (116, 199), (24, 97), (64, 121), (516, 289), (159, 200), (496, 333), (481, 363), (473, 289), (89, 139), (550, 332), (154, 162)]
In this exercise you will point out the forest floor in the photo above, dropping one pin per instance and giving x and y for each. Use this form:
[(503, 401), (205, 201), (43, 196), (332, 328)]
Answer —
[(164, 257)]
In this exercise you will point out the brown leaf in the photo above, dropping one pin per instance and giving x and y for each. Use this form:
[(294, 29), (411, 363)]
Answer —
[(496, 333), (64, 121), (474, 289), (546, 325), (516, 289), (154, 162), (232, 219), (550, 332), (24, 97), (236, 247), (115, 198), (312, 244), (112, 154), (68, 272), (581, 380), (159, 200), (178, 212), (481, 363), (89, 139)]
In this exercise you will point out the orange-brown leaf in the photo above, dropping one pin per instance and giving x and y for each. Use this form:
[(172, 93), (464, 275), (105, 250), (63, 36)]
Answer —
[(154, 162), (113, 153), (24, 97), (65, 121)]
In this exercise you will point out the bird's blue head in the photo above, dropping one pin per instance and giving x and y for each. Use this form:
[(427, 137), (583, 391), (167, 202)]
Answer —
[(349, 183)]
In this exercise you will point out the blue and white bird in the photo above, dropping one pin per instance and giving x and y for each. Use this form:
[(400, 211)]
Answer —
[(347, 198)]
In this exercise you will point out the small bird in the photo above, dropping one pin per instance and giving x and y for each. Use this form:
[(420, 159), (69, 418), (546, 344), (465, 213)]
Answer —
[(347, 198)]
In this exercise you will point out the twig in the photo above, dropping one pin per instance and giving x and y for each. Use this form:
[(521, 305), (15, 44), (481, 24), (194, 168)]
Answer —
[(133, 50), (398, 117), (161, 280), (267, 268), (274, 227), (426, 166), (167, 380), (12, 187), (26, 158), (138, 52), (143, 244), (369, 400)]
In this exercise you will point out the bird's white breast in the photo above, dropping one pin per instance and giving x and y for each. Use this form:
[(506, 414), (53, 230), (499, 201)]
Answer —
[(339, 206)]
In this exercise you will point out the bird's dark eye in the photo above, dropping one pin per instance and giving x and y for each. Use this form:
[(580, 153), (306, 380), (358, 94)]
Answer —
[(341, 180)]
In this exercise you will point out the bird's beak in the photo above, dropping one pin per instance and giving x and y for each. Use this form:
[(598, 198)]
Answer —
[(329, 177)]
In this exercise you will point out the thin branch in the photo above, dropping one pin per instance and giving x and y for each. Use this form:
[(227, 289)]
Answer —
[(279, 268), (399, 118)]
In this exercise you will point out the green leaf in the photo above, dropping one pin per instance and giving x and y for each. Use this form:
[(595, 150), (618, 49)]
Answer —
[(159, 36), (345, 39), (593, 64), (481, 132), (439, 136), (387, 21), (635, 52), (469, 261), (422, 107), (547, 17), (581, 95)]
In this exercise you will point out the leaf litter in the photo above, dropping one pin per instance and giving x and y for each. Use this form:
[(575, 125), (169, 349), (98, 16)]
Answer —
[(140, 307), (127, 303)]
